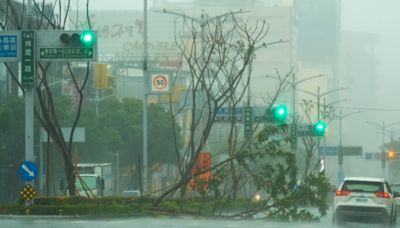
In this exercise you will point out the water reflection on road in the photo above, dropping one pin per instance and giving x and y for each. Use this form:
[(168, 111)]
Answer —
[(157, 222)]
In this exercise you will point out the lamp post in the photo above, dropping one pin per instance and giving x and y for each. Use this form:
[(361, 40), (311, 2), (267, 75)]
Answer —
[(383, 127), (144, 186), (44, 157), (318, 95), (116, 172), (325, 106), (340, 173), (294, 84), (98, 100)]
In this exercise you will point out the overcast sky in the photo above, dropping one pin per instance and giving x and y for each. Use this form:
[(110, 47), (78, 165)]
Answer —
[(381, 17)]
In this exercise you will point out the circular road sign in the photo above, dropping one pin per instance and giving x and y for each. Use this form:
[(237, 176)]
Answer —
[(28, 170), (159, 83)]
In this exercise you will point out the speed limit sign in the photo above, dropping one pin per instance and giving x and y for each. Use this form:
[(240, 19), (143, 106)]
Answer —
[(159, 83)]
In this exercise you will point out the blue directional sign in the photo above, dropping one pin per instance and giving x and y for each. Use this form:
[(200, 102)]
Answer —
[(28, 170), (10, 46)]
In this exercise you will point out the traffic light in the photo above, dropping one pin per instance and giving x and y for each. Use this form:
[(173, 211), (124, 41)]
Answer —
[(391, 154), (279, 113), (85, 38), (319, 128)]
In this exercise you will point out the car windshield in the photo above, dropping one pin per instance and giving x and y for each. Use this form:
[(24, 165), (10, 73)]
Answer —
[(363, 186)]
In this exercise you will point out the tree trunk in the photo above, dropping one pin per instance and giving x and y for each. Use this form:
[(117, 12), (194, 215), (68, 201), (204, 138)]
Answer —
[(69, 174)]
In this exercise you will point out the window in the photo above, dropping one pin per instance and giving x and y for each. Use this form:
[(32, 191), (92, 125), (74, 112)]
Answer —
[(363, 186)]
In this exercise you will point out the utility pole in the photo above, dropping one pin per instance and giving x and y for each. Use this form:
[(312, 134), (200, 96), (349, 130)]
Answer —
[(29, 99), (248, 105), (383, 128), (318, 96), (340, 173), (145, 111), (294, 84), (116, 173)]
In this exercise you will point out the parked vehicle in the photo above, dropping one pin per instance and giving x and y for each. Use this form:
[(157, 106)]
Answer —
[(365, 199), (97, 177), (396, 192)]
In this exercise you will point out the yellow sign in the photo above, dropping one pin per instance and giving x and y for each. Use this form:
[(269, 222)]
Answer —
[(28, 192), (100, 76)]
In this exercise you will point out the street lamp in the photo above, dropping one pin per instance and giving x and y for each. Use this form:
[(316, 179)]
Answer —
[(145, 96), (294, 84), (383, 127), (98, 100), (116, 172), (318, 95)]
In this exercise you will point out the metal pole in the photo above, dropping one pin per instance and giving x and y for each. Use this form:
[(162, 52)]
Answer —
[(29, 99), (294, 120), (117, 173), (29, 102), (383, 132), (48, 165), (340, 152), (41, 156), (324, 118), (145, 91), (340, 128), (97, 101), (318, 102), (391, 135), (383, 143)]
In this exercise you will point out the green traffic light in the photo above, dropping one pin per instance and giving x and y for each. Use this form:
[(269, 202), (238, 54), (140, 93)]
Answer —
[(319, 128), (87, 38), (279, 112)]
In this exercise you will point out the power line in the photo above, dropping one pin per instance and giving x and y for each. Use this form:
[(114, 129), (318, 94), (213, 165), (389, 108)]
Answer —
[(370, 109)]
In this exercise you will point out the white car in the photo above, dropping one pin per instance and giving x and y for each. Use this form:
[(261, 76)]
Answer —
[(365, 200)]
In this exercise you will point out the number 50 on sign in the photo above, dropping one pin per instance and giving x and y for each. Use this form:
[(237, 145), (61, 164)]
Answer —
[(160, 83)]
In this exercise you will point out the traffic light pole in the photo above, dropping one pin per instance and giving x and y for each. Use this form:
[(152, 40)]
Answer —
[(340, 173), (383, 127), (294, 84), (145, 175), (318, 96)]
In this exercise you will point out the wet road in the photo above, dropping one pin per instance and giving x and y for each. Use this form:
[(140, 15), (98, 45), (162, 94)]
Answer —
[(59, 222)]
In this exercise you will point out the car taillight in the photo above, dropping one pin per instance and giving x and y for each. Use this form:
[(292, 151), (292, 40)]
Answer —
[(342, 192), (382, 194)]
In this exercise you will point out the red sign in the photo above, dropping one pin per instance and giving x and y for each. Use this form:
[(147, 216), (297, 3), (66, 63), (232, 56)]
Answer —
[(199, 173)]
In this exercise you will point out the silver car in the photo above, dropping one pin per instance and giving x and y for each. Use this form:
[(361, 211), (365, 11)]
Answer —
[(364, 199)]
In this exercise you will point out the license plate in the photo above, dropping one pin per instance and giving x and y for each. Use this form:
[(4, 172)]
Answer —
[(361, 200)]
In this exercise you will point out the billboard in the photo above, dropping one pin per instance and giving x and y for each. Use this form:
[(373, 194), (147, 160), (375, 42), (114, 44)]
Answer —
[(124, 35)]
